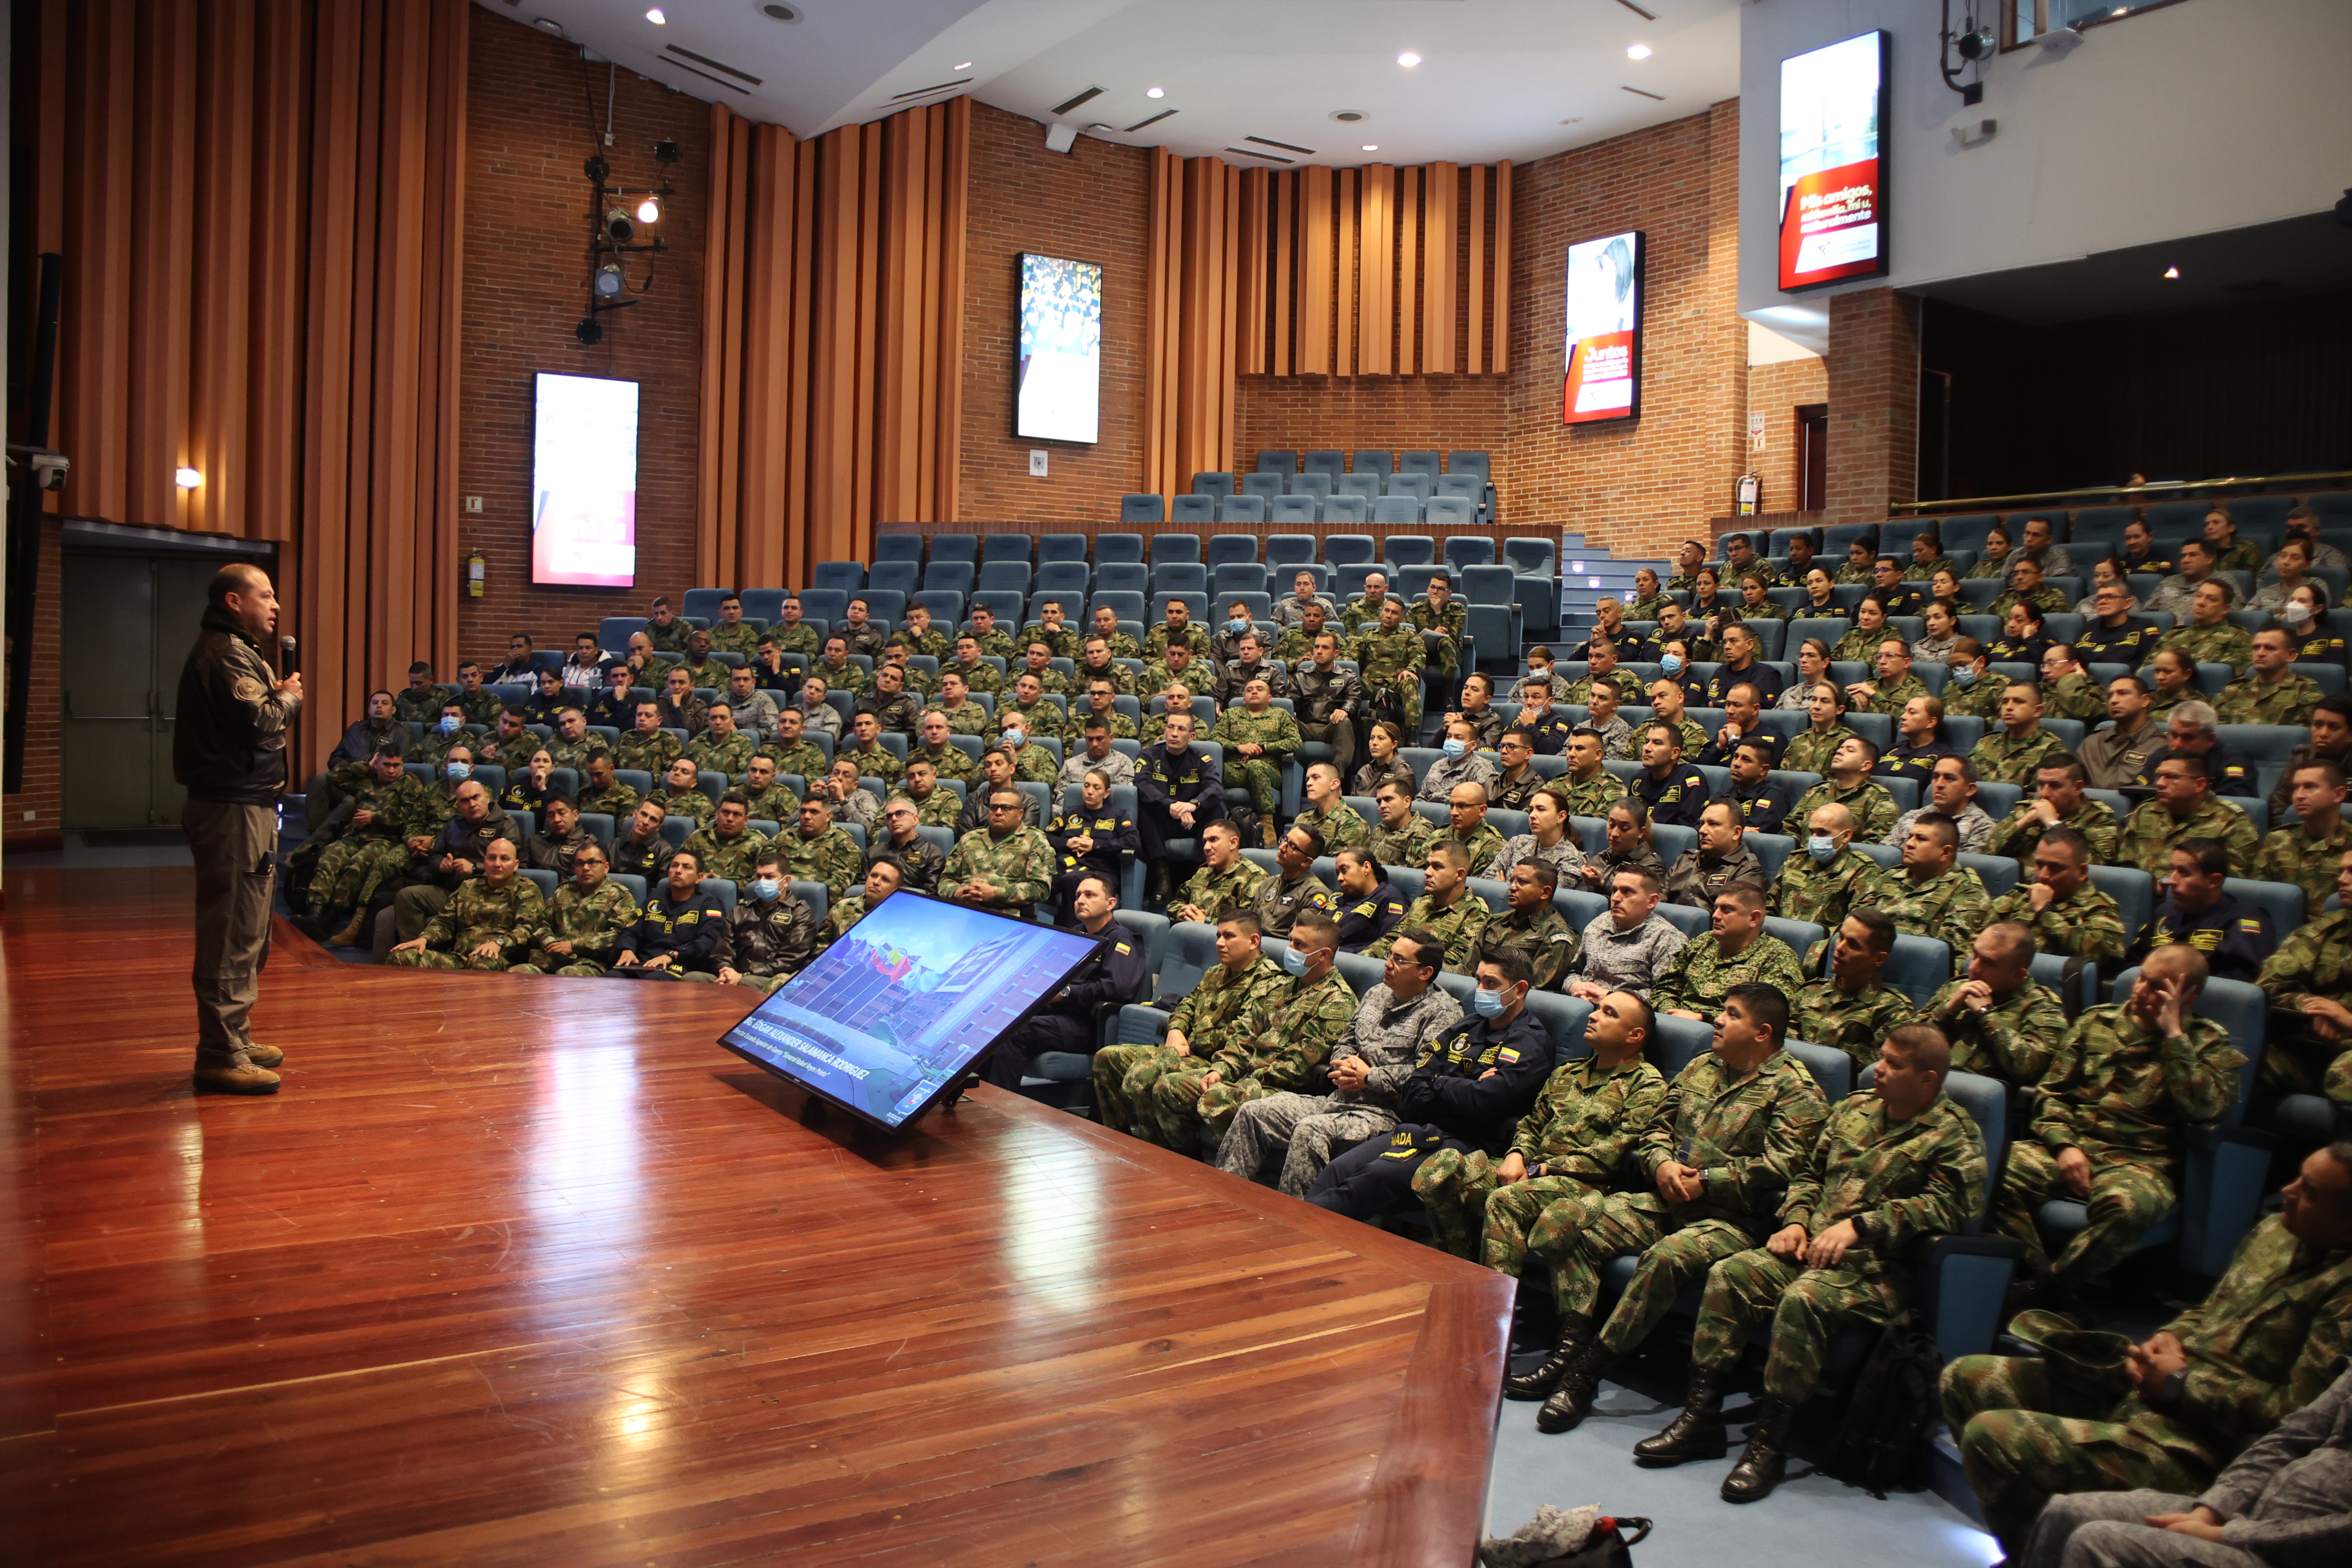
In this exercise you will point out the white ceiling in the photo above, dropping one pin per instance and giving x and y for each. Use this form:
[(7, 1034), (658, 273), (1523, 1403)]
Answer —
[(1499, 78)]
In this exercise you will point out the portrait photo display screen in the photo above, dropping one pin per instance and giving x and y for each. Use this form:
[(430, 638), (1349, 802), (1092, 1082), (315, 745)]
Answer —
[(890, 1016), (1833, 164), (1060, 393), (583, 481), (1604, 330)]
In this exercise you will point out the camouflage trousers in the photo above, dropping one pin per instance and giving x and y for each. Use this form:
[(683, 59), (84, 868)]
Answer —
[(2297, 1061), (1579, 1236), (351, 869), (2125, 1199), (1261, 779), (1511, 1214), (1124, 1078), (426, 958), (1806, 1307), (2031, 1429), (1171, 1106)]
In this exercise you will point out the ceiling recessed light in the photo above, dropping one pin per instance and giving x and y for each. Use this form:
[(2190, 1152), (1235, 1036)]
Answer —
[(1372, 147), (548, 25), (1155, 92), (656, 18), (2172, 272), (1349, 116), (778, 10), (1408, 58), (964, 65), (1637, 51)]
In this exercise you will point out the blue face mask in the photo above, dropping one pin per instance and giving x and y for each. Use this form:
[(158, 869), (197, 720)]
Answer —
[(1821, 846), (459, 772), (1966, 674), (766, 888), (1671, 663), (1237, 626), (1012, 737), (448, 725), (1293, 960), (1453, 747), (1489, 1003)]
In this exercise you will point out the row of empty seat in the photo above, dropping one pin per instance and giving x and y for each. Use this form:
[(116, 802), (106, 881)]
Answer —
[(1530, 555), (1299, 508)]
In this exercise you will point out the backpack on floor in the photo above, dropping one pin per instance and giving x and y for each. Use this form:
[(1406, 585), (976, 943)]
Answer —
[(1880, 1444)]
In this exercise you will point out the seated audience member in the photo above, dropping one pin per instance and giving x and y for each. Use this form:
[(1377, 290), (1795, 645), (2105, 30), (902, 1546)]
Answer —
[(2184, 808), (2309, 1042), (1480, 839), (997, 767), (1548, 840), (1178, 793), (680, 792), (934, 744), (645, 663), (817, 716), (1098, 700), (587, 663), (2171, 675), (873, 759), (1820, 884), (2057, 903), (1851, 785), (547, 701), (1447, 911), (1585, 1122), (2208, 636), (1625, 949), (720, 748), (769, 798), (2113, 635), (815, 850), (1461, 764), (1973, 691), (1921, 742), (964, 716), (1527, 925), (419, 703), (2116, 756), (1951, 790), (1029, 710), (1889, 1167), (1234, 1002), (1328, 812), (793, 752), (455, 854), (1720, 860), (2002, 1023), (2026, 587), (1176, 699), (2235, 938), (1930, 893), (1671, 790), (1741, 667), (850, 800), (1089, 839), (1869, 633), (936, 806), (1112, 975), (584, 921), (648, 747), (1478, 707), (1224, 882), (560, 839), (1005, 867), (639, 846), (1180, 666), (1810, 751), (1753, 1113), (2057, 801), (1734, 952), (2306, 853), (1760, 801), (1847, 1007), (1099, 663), (725, 846), (1588, 788), (1743, 719), (889, 703), (1370, 907), (2010, 753), (2127, 1421), (730, 634), (768, 937), (1258, 738), (1095, 755), (2176, 594), (2034, 546), (665, 627), (1292, 611), (922, 862), (1250, 662), (1176, 627), (1106, 627), (1387, 657), (1294, 889), (1627, 843), (379, 729), (676, 931), (2270, 692), (615, 704), (364, 844), (883, 876), (1541, 669), (490, 923), (680, 709), (2138, 555), (1329, 699), (432, 745), (1601, 670)]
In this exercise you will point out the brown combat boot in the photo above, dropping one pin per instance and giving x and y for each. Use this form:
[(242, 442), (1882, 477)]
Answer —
[(1266, 832), (232, 1078), (263, 1056), (350, 935)]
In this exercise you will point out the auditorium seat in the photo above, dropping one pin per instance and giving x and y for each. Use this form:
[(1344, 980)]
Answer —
[(614, 632), (1274, 461), (1367, 460), (827, 605), (702, 602), (1003, 577), (1066, 577), (1292, 511), (1241, 509), (1918, 967), (952, 575), (1229, 548), (1265, 487), (1324, 461), (899, 547), (1234, 578), (1120, 548), (1443, 512), (1124, 576), (1531, 557), (1348, 549), (945, 605), (995, 547), (1212, 482), (1346, 511), (1286, 552), (1179, 577), (1197, 510), (2283, 900), (1396, 511), (1198, 604), (1139, 508), (1466, 551), (1317, 486), (1061, 547), (899, 576), (847, 576), (1420, 487), (955, 547)]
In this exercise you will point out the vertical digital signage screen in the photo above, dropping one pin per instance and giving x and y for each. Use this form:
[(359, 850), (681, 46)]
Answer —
[(1060, 394), (583, 481), (1833, 164), (1604, 330), (886, 1019)]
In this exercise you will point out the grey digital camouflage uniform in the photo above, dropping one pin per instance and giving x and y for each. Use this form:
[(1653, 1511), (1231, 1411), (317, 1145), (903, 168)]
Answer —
[(1564, 857), (1629, 961), (1855, 1022), (1301, 1133), (2121, 1095), (1896, 1181), (1572, 1140), (1700, 976), (2014, 1040), (1975, 825), (1227, 1005), (2265, 1342)]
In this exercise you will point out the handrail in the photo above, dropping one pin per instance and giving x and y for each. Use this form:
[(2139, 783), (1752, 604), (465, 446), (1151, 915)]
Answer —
[(2159, 489)]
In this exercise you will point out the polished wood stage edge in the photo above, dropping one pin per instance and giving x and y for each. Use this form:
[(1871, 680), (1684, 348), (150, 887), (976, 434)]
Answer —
[(529, 1270)]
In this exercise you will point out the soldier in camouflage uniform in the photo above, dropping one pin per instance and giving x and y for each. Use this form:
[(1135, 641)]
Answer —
[(769, 800), (648, 748), (884, 877), (815, 850), (1100, 664), (1303, 1025), (791, 752), (964, 716), (433, 743), (1402, 836), (1820, 889), (2107, 1124), (864, 748), (1060, 637), (371, 825), (2098, 1414), (1233, 1003), (2309, 1048), (2002, 1022), (1388, 662), (1097, 700), (1298, 639), (1105, 626), (769, 937), (1259, 738), (2011, 754), (603, 792), (726, 846), (706, 673), (1587, 1118), (2273, 693), (585, 921), (488, 923), (1328, 812), (967, 667), (572, 744), (667, 630), (1440, 618), (1848, 785), (2184, 808), (1177, 627), (1734, 1129), (1979, 695), (1706, 969), (1448, 911), (2064, 913), (1810, 751), (1294, 890), (1848, 1008), (1588, 788), (723, 748), (681, 794), (1899, 1162), (1479, 838), (510, 740), (2307, 854), (1602, 669), (1178, 666), (1225, 883), (1531, 926), (419, 703), (936, 806), (2058, 801), (1357, 614), (948, 760), (992, 640), (1931, 894), (1006, 867), (1029, 709), (2210, 636), (732, 634)]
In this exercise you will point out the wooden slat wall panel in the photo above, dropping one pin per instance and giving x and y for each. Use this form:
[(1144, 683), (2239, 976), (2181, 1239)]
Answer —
[(946, 438), (1253, 277), (1500, 289), (1286, 283), (220, 342), (1477, 344), (719, 476), (273, 483), (95, 326), (1376, 249), (1440, 277), (1408, 287), (1344, 325), (1315, 272), (162, 200)]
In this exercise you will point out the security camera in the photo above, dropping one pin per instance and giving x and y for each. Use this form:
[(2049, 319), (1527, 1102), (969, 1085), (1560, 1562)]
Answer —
[(49, 470), (1976, 43)]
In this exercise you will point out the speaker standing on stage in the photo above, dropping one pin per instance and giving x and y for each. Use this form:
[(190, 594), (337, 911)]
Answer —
[(228, 751)]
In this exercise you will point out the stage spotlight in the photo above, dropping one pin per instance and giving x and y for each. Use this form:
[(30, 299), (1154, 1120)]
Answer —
[(649, 210), (609, 281), (665, 151), (618, 226), (187, 479)]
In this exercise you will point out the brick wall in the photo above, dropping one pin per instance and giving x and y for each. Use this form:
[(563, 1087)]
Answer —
[(1873, 372), (1776, 391), (528, 131), (34, 818), (1092, 205)]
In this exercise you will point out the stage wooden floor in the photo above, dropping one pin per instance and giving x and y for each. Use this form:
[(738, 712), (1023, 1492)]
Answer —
[(525, 1270)]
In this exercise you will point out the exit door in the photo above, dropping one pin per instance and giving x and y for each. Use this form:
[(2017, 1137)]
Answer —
[(130, 620)]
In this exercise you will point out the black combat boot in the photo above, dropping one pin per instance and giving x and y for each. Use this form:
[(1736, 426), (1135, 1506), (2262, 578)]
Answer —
[(1579, 1381), (1575, 1328), (1696, 1433), (1766, 1457)]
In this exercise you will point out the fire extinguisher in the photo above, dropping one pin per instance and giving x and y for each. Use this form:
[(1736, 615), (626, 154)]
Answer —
[(1748, 495), (475, 567)]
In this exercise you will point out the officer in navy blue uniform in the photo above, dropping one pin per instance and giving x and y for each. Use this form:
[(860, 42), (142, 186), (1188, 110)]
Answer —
[(1741, 666), (2235, 936), (1174, 772), (1114, 974), (1674, 791), (1469, 1092), (2229, 768), (679, 926), (1365, 914), (1110, 838)]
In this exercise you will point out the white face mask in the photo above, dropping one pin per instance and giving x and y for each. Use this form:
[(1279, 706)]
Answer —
[(2297, 612)]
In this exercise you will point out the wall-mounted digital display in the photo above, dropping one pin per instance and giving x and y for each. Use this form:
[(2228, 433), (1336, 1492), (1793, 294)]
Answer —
[(1833, 164), (583, 482), (1060, 393), (1604, 330)]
